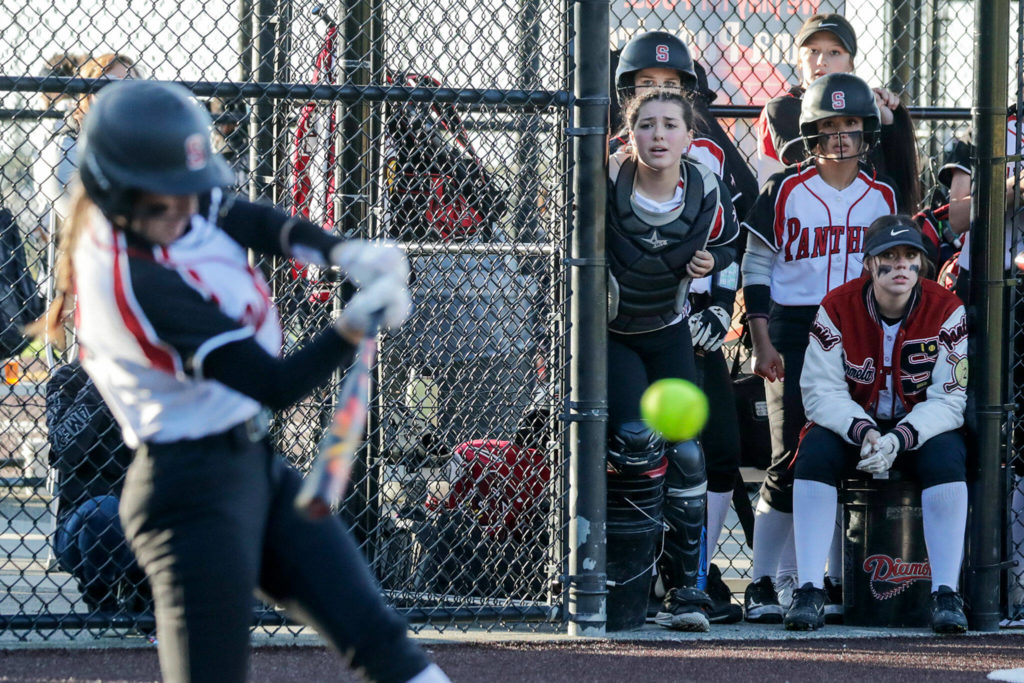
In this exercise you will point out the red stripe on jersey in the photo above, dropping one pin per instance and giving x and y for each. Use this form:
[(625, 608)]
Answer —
[(716, 229), (787, 187), (887, 192), (928, 229), (942, 213), (765, 143), (160, 357), (713, 149)]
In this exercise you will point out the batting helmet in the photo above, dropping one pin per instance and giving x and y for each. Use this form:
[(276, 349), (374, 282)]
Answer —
[(838, 94), (147, 136), (656, 49)]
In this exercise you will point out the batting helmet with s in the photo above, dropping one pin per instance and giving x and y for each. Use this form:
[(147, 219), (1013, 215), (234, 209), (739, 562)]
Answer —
[(655, 49), (838, 94), (150, 137)]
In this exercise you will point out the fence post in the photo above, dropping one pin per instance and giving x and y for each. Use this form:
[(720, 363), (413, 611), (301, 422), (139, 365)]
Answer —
[(261, 119), (587, 409), (988, 298)]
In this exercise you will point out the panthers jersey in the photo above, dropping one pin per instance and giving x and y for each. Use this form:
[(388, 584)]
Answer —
[(816, 230)]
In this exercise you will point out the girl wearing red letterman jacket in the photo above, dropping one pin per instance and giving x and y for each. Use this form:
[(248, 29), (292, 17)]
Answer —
[(884, 385)]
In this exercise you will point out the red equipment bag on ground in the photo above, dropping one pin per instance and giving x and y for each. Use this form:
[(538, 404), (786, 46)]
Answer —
[(499, 484)]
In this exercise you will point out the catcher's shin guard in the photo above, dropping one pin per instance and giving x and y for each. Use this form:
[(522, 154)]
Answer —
[(685, 503), (633, 449)]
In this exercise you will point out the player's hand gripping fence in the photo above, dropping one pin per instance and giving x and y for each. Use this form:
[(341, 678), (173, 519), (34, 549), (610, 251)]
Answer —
[(326, 481)]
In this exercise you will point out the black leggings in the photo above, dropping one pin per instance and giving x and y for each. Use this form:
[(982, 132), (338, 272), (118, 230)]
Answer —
[(790, 329), (212, 519), (635, 361), (824, 456), (721, 437)]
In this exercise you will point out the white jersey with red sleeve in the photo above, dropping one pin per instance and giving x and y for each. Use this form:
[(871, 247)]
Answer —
[(708, 152), (816, 230), (148, 316)]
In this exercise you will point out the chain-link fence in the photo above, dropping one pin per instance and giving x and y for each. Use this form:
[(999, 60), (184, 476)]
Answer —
[(440, 125)]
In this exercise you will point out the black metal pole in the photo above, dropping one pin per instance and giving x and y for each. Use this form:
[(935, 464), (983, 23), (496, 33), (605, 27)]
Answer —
[(988, 298), (902, 43), (261, 129), (587, 409)]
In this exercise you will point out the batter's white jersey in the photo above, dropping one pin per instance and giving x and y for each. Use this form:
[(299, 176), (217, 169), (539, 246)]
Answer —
[(148, 316), (815, 230)]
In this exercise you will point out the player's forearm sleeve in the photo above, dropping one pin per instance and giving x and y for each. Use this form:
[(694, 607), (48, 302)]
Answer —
[(756, 271), (277, 382), (267, 230)]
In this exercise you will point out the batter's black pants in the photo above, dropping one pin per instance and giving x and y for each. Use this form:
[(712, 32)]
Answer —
[(212, 519)]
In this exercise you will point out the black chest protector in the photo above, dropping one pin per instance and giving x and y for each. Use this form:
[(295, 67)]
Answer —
[(648, 263)]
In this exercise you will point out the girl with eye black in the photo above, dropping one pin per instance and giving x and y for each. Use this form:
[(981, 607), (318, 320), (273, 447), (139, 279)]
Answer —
[(884, 385)]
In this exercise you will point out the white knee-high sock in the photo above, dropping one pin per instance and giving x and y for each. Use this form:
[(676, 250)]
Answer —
[(718, 508), (814, 524), (787, 559), (944, 509), (835, 553), (771, 529)]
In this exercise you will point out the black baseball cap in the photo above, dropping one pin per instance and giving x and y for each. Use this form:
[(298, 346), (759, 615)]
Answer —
[(887, 232), (833, 23)]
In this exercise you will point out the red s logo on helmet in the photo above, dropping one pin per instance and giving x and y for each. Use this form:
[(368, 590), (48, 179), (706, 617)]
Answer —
[(195, 152), (839, 100), (661, 53)]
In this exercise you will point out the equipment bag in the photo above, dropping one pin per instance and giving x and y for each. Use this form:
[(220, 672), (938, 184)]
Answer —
[(436, 186), (752, 411)]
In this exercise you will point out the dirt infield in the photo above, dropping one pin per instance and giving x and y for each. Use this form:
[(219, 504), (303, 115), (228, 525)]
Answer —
[(619, 661)]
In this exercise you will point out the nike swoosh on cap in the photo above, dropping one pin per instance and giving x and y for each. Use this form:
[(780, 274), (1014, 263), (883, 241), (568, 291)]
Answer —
[(899, 232)]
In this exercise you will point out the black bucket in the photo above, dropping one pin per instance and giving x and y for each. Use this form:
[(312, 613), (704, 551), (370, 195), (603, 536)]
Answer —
[(634, 533), (886, 576)]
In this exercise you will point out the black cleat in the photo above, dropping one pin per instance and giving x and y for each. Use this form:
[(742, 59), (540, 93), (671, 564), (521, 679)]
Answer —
[(761, 602), (685, 609), (723, 610), (807, 612), (948, 611)]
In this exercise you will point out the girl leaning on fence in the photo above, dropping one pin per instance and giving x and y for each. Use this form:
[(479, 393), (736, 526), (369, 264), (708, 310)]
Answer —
[(180, 336)]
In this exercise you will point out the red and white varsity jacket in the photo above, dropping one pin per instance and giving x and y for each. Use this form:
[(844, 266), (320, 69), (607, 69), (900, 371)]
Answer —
[(844, 368)]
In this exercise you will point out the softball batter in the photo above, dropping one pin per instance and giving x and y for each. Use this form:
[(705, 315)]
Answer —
[(180, 336)]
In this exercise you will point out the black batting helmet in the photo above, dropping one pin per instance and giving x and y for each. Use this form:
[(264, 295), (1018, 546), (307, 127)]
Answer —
[(652, 50), (147, 136), (838, 94)]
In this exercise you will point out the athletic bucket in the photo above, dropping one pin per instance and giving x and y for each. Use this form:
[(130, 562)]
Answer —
[(886, 575), (634, 533)]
